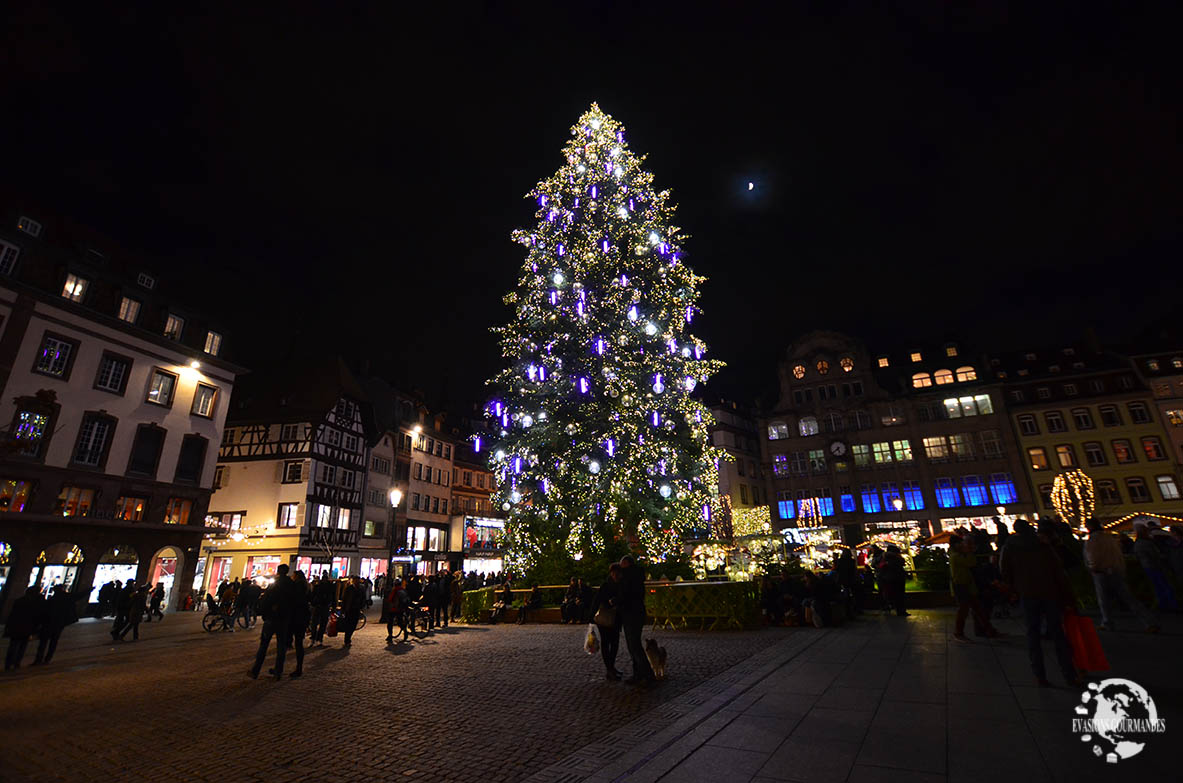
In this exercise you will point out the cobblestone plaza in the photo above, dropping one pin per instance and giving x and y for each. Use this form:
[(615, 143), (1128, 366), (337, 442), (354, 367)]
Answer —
[(879, 699)]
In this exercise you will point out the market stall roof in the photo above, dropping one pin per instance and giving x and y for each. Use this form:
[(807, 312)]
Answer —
[(940, 538)]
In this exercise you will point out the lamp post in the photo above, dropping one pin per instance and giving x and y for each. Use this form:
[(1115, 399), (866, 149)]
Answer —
[(396, 497)]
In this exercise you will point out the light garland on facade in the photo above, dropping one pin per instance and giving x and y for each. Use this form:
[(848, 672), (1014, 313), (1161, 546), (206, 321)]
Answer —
[(1073, 498), (809, 513), (597, 435), (1128, 517)]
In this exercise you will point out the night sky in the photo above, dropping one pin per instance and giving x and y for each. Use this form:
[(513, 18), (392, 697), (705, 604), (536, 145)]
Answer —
[(334, 180)]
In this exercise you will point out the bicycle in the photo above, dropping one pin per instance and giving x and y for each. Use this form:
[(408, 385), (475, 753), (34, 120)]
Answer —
[(215, 620), (336, 613)]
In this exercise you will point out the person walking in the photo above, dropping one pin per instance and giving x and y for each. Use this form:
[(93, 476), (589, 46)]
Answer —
[(1106, 564), (394, 608), (324, 600), (445, 597), (457, 595), (276, 608), (59, 612), (631, 610), (1151, 559), (157, 600), (26, 618), (353, 601), (892, 578), (1033, 569), (135, 614), (431, 597), (301, 616), (963, 559), (606, 615), (122, 607)]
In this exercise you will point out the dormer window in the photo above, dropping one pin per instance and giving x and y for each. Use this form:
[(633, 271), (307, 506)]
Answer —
[(129, 310), (75, 288), (29, 226), (213, 343), (950, 350), (146, 280), (915, 356), (173, 327), (1030, 357), (8, 254), (882, 361)]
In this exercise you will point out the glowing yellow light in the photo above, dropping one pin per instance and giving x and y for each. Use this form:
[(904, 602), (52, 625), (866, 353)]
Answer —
[(1073, 498)]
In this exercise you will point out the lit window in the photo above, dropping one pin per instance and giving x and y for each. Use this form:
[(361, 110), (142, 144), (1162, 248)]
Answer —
[(784, 505), (146, 280), (203, 400), (1153, 448), (962, 446), (915, 356), (129, 310), (30, 432), (847, 500), (1066, 455), (846, 363), (947, 495), (892, 416), (1038, 458), (902, 450), (130, 509), (966, 374), (74, 502), (1177, 362), (890, 494), (823, 367), (1167, 487), (882, 452), (1002, 489), (1175, 417), (913, 497), (950, 350), (343, 519), (882, 361), (8, 255), (799, 371), (1152, 365), (778, 430), (817, 460), (807, 426), (160, 391), (112, 374), (870, 499), (213, 343), (54, 357), (324, 513), (1123, 452), (176, 512), (862, 455), (936, 448), (942, 377), (974, 491), (921, 380), (75, 288), (173, 327), (780, 465)]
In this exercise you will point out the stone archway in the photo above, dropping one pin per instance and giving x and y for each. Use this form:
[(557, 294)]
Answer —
[(119, 563), (166, 568), (58, 563)]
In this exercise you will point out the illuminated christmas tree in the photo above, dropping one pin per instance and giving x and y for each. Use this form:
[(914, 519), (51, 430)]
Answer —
[(600, 440)]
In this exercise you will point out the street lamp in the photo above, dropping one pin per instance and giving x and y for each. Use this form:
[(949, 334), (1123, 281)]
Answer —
[(396, 497)]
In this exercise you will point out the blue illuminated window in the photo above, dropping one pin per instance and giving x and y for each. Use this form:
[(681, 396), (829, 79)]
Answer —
[(890, 493), (1002, 487), (975, 491), (785, 509), (870, 499), (913, 497), (827, 506), (947, 496), (848, 502)]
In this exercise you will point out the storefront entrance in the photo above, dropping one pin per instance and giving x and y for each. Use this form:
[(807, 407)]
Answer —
[(56, 565), (119, 563)]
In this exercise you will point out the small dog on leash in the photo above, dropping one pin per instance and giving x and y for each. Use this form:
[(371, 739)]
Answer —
[(657, 657)]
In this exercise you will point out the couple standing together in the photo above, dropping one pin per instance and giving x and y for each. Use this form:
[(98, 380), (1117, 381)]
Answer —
[(620, 606)]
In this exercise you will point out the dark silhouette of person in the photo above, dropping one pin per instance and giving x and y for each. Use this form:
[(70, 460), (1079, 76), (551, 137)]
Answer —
[(157, 600), (892, 578), (445, 597), (135, 614), (301, 616), (632, 619), (59, 612), (353, 601), (275, 607), (122, 607), (431, 597), (608, 597), (324, 600), (24, 619), (533, 601)]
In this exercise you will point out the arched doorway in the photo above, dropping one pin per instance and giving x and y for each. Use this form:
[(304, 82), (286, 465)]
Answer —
[(56, 565), (167, 565), (117, 563)]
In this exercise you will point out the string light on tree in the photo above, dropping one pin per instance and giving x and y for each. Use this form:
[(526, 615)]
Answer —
[(1073, 498), (600, 322)]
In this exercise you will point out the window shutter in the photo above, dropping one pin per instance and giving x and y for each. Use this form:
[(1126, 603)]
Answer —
[(279, 472), (305, 469), (226, 471), (300, 514)]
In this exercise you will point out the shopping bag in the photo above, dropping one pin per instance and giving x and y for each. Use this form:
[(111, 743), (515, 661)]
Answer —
[(591, 644), (1087, 652), (331, 630)]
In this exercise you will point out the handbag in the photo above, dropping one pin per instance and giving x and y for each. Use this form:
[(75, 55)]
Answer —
[(332, 628), (591, 643), (1087, 653), (605, 616)]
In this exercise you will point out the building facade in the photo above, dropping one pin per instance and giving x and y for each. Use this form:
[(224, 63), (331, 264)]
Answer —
[(430, 486), (1080, 408), (476, 525), (292, 471), (114, 397), (888, 445), (1162, 371), (742, 483)]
